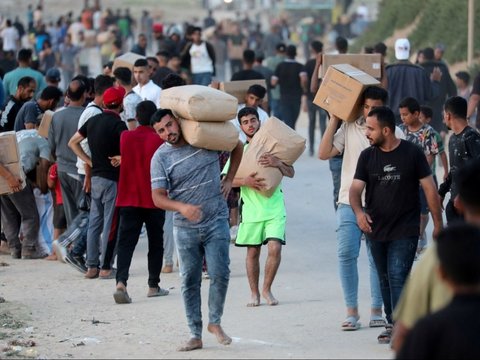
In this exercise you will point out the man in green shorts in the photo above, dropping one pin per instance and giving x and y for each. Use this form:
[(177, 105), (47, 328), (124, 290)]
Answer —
[(263, 218)]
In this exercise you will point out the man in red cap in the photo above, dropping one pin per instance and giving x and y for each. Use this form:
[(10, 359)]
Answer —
[(103, 135)]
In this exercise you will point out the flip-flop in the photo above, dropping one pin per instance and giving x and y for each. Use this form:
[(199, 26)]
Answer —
[(351, 323), (159, 292), (377, 321), (121, 297), (385, 336)]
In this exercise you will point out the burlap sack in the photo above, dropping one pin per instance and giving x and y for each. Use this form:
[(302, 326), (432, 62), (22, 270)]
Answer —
[(126, 60), (277, 139), (199, 103), (220, 136)]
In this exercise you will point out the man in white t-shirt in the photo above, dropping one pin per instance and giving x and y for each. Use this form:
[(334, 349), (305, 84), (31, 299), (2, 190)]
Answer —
[(10, 37), (201, 56), (145, 88), (350, 140), (253, 98)]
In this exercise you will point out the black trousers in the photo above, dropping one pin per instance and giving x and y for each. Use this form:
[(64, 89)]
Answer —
[(129, 228)]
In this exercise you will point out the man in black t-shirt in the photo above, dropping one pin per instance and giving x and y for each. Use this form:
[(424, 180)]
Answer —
[(25, 90), (464, 145), (390, 171), (292, 78), (103, 134), (247, 73)]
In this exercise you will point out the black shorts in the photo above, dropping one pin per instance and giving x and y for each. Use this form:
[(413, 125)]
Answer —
[(59, 218)]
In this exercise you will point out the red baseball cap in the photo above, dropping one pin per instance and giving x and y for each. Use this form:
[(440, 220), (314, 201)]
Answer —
[(113, 96)]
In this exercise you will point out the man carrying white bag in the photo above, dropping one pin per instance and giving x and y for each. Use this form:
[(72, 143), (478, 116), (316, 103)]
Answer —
[(269, 155)]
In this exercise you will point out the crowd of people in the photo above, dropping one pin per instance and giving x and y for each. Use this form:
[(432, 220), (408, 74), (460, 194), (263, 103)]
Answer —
[(114, 163)]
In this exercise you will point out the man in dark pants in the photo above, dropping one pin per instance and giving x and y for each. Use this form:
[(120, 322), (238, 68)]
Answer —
[(292, 77), (316, 48), (389, 170), (136, 205), (463, 146)]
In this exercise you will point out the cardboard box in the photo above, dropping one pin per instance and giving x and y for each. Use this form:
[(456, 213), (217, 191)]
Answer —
[(16, 170), (9, 148), (219, 136), (341, 89), (126, 60), (369, 63), (239, 88), (278, 139), (199, 103), (45, 123)]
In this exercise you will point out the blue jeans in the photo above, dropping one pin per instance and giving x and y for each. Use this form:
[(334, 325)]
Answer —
[(104, 193), (168, 242), (213, 242), (204, 78), (394, 260), (349, 238), (335, 165), (290, 109), (275, 108)]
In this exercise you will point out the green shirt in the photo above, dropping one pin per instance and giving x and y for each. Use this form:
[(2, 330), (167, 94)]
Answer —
[(256, 206)]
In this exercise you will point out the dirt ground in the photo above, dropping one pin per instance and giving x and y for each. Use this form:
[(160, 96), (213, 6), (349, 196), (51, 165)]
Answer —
[(67, 316)]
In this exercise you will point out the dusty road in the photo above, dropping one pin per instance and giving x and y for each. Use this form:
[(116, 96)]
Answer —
[(68, 316)]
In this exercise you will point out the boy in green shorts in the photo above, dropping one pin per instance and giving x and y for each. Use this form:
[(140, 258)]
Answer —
[(263, 218)]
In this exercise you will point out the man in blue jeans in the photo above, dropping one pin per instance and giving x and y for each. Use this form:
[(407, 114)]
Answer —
[(390, 171), (348, 139), (197, 196)]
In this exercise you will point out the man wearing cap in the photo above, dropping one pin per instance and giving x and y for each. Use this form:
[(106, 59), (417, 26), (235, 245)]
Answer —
[(103, 134), (145, 88), (53, 77), (405, 79)]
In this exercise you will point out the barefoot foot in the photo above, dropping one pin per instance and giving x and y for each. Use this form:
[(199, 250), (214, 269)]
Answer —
[(254, 301), (217, 330), (192, 344), (270, 298)]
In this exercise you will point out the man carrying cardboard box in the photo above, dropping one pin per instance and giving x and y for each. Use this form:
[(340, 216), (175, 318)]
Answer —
[(350, 140)]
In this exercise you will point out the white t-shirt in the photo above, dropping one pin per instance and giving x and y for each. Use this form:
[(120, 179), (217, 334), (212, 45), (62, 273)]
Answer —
[(130, 102), (350, 140), (199, 59), (263, 116), (10, 38), (91, 110), (149, 91)]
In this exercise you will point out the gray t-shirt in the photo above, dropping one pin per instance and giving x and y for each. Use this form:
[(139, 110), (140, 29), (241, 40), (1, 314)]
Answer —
[(63, 127), (32, 147), (28, 114), (190, 175)]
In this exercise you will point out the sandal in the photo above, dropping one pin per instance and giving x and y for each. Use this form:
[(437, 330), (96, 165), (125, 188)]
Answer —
[(121, 297), (385, 336), (351, 323), (377, 321)]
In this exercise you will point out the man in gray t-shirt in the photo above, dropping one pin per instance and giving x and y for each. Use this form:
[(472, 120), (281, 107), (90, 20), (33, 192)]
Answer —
[(197, 196)]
